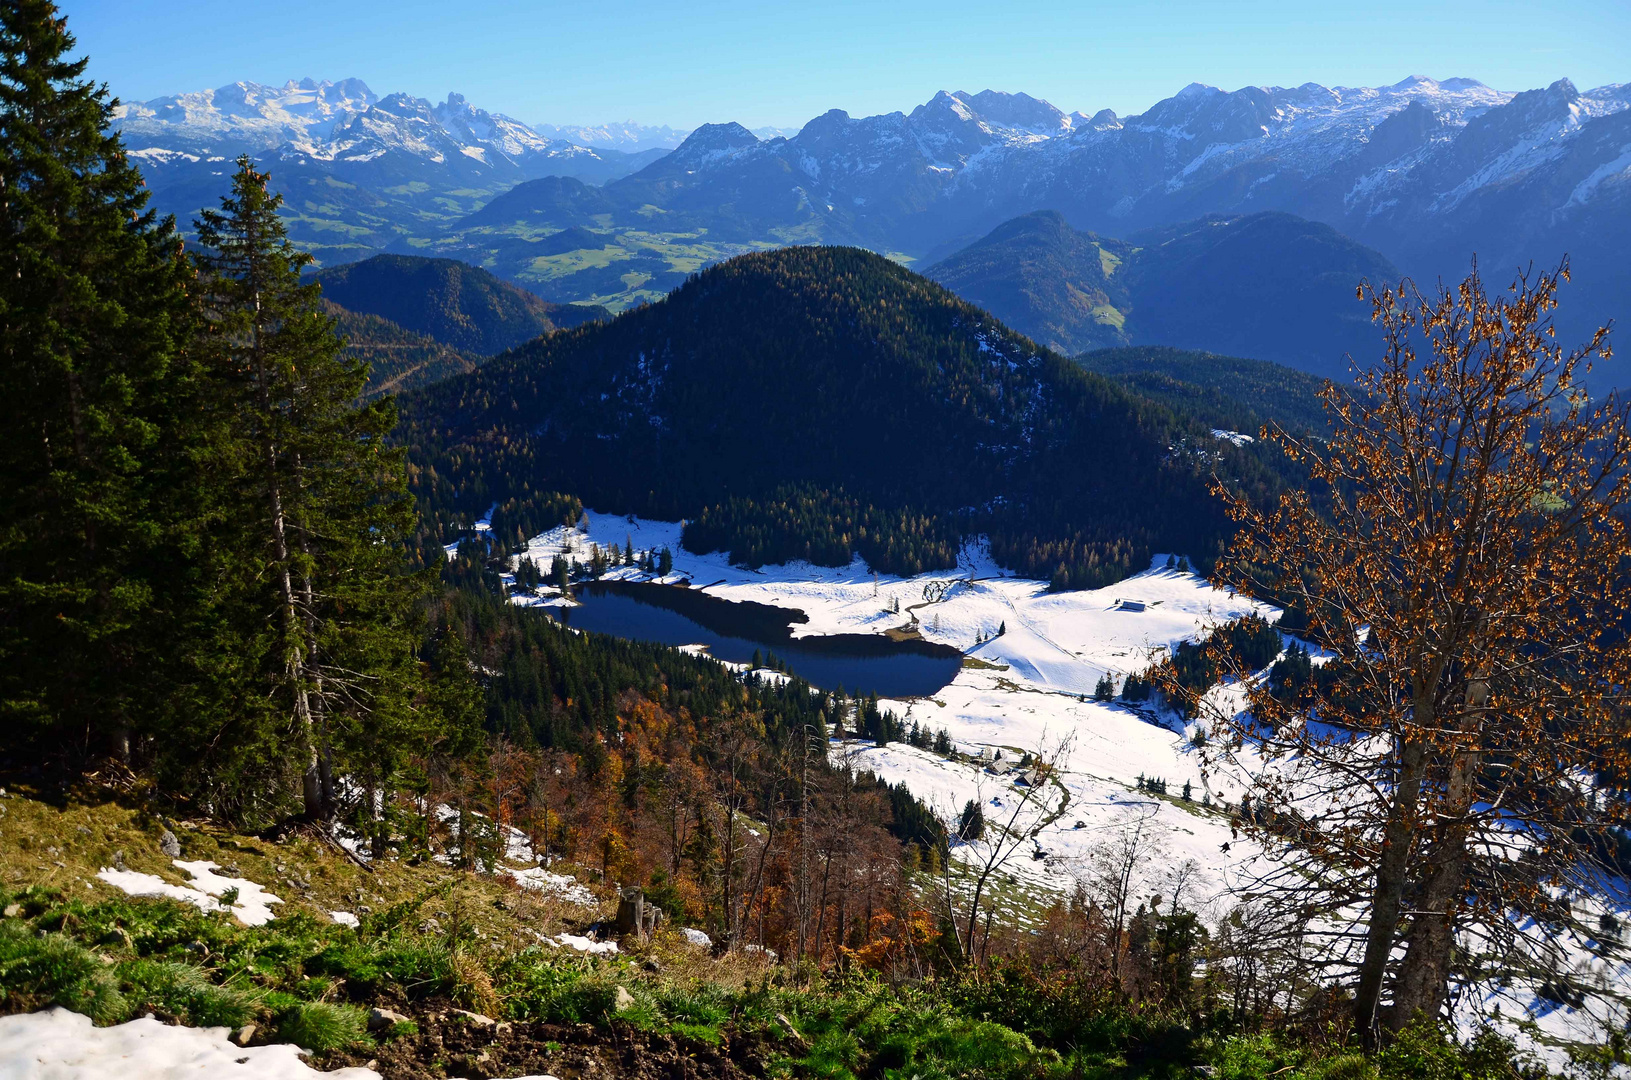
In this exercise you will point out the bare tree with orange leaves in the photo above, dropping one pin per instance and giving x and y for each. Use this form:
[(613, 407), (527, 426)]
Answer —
[(1460, 759)]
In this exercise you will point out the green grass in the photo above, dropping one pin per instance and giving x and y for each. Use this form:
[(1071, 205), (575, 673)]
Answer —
[(1109, 315), (437, 936), (37, 972), (309, 983), (323, 1025)]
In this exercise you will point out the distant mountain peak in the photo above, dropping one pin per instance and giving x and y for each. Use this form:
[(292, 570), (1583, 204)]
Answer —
[(626, 136), (1020, 111), (715, 136), (1103, 119), (709, 145)]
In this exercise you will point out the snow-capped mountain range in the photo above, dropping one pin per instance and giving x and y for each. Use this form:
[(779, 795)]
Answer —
[(1427, 172), (242, 116), (627, 136), (346, 122), (1380, 162)]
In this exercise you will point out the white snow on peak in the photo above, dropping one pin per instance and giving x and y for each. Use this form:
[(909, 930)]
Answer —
[(342, 121), (629, 136)]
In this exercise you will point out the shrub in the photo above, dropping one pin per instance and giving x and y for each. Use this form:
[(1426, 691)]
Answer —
[(184, 992), (422, 967), (52, 969), (323, 1025), (697, 1011), (1422, 1051)]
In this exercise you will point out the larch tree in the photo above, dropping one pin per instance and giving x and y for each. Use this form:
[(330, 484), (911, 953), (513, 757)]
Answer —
[(93, 308), (1455, 768), (1025, 802), (325, 606)]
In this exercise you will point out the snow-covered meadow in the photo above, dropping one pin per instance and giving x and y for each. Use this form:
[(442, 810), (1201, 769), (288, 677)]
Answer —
[(1032, 662)]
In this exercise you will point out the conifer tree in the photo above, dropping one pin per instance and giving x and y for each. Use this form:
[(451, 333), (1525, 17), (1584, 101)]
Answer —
[(320, 593), (92, 302)]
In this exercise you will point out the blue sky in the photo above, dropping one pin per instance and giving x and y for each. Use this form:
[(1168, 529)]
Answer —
[(686, 62)]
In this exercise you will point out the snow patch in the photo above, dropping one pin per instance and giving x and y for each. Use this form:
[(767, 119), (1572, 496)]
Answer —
[(582, 944), (537, 879), (62, 1045), (252, 907)]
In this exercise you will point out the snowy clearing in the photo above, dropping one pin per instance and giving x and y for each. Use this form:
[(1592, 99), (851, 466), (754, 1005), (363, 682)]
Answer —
[(1018, 691)]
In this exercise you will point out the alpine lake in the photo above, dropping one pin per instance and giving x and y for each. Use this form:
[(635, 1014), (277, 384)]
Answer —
[(677, 615)]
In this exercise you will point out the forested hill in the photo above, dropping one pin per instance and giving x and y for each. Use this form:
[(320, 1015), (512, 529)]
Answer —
[(1054, 283), (1224, 391), (456, 304), (812, 401), (397, 359), (1268, 285)]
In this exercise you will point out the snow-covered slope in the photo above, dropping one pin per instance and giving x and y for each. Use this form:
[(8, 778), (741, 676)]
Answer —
[(243, 116), (1026, 688)]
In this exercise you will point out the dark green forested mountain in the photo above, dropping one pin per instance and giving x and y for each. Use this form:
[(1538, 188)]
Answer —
[(1046, 279), (1224, 391), (454, 303), (397, 359), (813, 395), (1270, 285)]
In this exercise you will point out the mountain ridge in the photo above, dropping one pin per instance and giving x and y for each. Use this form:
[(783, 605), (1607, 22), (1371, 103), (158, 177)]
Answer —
[(458, 305), (398, 359), (1427, 172), (1269, 285), (368, 167)]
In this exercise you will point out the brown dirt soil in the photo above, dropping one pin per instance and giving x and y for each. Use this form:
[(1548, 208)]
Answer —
[(448, 1045)]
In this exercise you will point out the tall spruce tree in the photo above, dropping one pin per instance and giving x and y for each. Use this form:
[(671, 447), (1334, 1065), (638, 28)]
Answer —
[(319, 593), (93, 444)]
